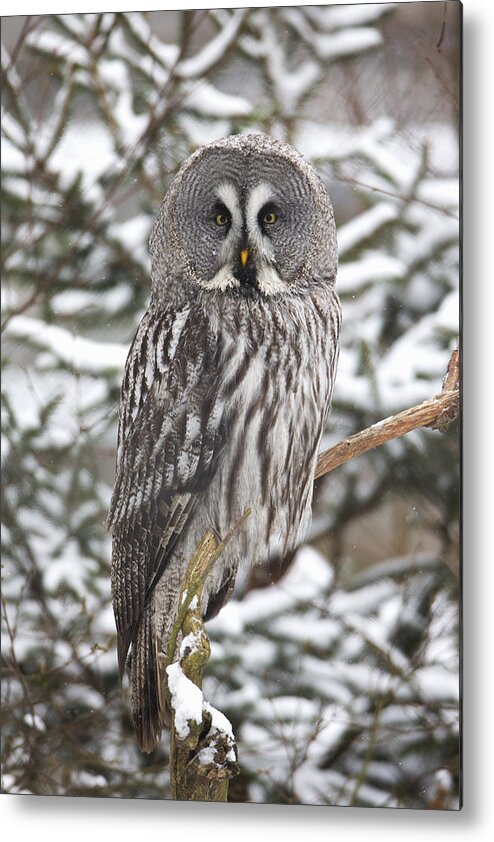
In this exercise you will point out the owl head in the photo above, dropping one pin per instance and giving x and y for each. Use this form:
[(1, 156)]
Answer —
[(247, 216)]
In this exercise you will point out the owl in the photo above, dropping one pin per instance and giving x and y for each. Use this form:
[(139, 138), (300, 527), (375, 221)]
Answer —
[(226, 390)]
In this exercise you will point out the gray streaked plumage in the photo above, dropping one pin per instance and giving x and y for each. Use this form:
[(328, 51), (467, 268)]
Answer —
[(226, 391)]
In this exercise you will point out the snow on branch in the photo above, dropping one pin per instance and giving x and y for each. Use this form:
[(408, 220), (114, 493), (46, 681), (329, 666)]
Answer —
[(84, 355), (214, 50), (330, 47), (336, 17), (365, 226), (203, 754), (288, 87)]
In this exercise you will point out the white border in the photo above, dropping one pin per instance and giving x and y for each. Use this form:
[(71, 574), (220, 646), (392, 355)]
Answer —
[(49, 819), (50, 7)]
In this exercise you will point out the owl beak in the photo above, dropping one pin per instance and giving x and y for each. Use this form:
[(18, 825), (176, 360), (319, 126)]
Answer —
[(244, 256)]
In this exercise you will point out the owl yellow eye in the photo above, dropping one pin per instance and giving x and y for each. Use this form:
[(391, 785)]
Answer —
[(222, 219), (269, 218)]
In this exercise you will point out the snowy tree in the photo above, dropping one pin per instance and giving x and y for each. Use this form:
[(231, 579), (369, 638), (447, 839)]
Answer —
[(338, 668)]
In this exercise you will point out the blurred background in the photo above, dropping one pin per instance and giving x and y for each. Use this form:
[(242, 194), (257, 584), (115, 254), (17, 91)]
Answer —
[(339, 666)]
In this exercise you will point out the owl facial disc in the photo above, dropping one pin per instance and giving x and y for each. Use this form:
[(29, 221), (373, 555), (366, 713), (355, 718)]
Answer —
[(246, 255)]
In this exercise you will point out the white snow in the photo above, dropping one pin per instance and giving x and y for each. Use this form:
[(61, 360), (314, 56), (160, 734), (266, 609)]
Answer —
[(331, 46), (85, 148), (415, 365), (353, 14), (319, 141), (228, 621), (189, 644), (442, 192), (317, 631), (437, 684), (307, 578), (35, 721), (13, 141), (133, 234), (444, 780), (309, 575), (206, 756), (203, 98), (56, 44), (90, 779), (165, 53), (186, 700), (287, 708), (447, 316), (69, 569), (348, 42), (80, 353), (213, 51), (365, 226), (201, 131), (372, 268), (361, 601), (219, 722)]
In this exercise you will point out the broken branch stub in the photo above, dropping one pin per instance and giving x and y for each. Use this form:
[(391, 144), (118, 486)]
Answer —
[(203, 753)]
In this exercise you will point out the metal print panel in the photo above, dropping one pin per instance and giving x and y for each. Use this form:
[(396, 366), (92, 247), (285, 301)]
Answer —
[(231, 269)]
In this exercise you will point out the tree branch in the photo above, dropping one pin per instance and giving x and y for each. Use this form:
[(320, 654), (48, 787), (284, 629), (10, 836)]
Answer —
[(203, 753), (436, 413)]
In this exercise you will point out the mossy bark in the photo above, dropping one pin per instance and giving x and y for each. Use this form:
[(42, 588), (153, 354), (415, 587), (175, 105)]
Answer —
[(203, 761)]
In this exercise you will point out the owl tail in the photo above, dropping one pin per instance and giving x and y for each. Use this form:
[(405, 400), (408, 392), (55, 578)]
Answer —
[(145, 686)]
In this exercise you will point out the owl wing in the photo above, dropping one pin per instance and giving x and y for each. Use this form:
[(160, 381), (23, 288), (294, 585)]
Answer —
[(170, 437)]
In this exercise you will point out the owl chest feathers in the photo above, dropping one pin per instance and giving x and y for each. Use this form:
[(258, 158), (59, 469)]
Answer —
[(277, 380)]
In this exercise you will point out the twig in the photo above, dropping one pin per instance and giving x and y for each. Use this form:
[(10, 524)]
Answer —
[(436, 413), (440, 40), (395, 195)]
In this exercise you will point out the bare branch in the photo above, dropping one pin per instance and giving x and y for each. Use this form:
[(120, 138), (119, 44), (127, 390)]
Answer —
[(436, 413), (440, 40)]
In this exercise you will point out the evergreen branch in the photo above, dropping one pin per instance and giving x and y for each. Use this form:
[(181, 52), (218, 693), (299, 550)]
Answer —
[(214, 51)]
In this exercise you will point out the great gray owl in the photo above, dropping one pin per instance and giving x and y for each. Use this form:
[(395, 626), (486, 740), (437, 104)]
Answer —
[(226, 390)]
